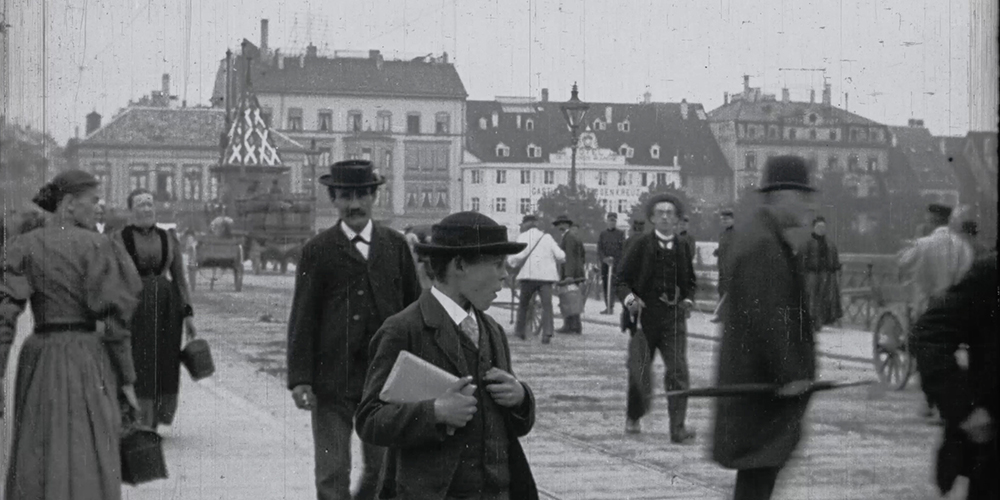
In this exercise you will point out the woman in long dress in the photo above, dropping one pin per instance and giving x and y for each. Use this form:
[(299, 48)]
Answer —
[(66, 414), (164, 310)]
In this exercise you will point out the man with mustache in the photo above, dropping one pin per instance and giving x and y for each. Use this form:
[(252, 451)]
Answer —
[(464, 443), (351, 278)]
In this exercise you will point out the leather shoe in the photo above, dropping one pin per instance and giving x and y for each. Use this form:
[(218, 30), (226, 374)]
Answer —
[(546, 340), (682, 436), (632, 426)]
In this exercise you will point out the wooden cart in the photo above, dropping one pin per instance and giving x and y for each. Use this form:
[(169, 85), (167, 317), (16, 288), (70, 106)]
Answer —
[(219, 255)]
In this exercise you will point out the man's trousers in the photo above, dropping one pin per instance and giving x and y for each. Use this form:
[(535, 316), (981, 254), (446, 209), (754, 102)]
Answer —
[(662, 328), (528, 289), (333, 425), (607, 275), (755, 484)]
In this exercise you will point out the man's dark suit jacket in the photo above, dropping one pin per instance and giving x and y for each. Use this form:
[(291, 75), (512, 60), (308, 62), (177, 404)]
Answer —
[(610, 244), (576, 256), (340, 301), (422, 458), (634, 276)]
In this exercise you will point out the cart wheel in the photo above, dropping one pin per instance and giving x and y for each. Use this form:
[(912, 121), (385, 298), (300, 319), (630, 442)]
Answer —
[(534, 316), (891, 352)]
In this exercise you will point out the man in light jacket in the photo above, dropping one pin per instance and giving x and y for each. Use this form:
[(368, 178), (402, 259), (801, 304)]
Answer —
[(538, 266)]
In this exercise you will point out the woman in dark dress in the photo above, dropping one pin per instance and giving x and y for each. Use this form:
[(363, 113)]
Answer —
[(164, 310), (66, 415)]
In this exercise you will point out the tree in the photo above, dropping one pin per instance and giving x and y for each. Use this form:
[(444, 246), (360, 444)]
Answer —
[(584, 210), (27, 159)]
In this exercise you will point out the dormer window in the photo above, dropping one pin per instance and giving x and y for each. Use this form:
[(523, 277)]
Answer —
[(701, 114), (482, 123), (626, 151), (534, 151), (496, 119), (598, 124), (654, 151), (502, 150), (624, 126), (529, 124)]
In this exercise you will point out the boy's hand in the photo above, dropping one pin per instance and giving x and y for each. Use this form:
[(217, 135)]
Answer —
[(457, 405), (504, 388)]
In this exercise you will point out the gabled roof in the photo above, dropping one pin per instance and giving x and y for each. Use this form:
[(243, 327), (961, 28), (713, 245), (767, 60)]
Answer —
[(768, 110), (660, 124), (170, 128), (923, 157), (346, 76)]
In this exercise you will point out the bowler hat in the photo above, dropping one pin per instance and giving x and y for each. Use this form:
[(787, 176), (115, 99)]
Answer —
[(786, 172), (352, 174), (943, 211), (466, 233), (664, 198), (726, 212), (613, 215), (529, 218), (562, 219)]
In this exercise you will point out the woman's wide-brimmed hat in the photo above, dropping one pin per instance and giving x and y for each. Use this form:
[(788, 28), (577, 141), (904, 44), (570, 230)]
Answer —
[(468, 233), (786, 172), (352, 174), (562, 219)]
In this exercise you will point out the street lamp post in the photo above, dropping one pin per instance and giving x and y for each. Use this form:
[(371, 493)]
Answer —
[(574, 111), (312, 157)]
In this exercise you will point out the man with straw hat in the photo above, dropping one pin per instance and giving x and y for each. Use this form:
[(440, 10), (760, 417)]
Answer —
[(464, 443), (351, 278)]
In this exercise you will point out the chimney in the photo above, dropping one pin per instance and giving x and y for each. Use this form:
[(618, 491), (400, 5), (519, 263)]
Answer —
[(647, 97), (826, 94), (915, 123), (93, 122), (311, 51), (278, 59), (545, 95), (166, 85), (725, 98), (607, 114), (746, 84), (675, 160), (785, 97), (376, 56), (302, 61), (684, 109), (812, 96), (263, 35), (942, 146), (444, 58), (845, 101)]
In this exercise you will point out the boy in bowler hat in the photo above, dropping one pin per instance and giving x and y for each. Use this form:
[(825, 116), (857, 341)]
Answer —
[(350, 279), (464, 443), (656, 284), (767, 334)]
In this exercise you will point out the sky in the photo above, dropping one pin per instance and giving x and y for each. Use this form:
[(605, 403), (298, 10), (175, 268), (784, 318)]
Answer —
[(896, 59)]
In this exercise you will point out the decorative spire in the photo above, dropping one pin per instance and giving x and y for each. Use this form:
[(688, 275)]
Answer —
[(249, 138)]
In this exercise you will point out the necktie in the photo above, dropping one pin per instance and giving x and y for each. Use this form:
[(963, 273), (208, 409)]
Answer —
[(666, 243), (358, 241), (470, 329)]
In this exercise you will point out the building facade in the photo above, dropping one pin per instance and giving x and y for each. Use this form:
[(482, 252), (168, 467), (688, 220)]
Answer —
[(917, 162), (405, 116), (751, 127), (518, 149)]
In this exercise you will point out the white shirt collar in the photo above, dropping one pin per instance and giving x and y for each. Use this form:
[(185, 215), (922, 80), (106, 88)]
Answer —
[(366, 233), (663, 236), (455, 311)]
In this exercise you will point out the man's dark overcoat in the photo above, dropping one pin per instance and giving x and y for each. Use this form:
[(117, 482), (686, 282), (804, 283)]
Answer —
[(422, 458), (576, 257), (767, 338), (725, 243), (967, 314), (340, 301)]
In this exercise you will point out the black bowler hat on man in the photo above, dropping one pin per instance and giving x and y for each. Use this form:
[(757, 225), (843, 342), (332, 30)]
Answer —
[(940, 210), (612, 216), (468, 233), (352, 174), (784, 173), (529, 218), (562, 219)]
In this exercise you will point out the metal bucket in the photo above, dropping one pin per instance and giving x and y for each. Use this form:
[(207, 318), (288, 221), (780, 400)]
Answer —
[(197, 358), (570, 300), (142, 456)]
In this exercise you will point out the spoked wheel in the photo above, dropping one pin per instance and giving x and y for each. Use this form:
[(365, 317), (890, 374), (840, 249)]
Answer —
[(890, 351), (534, 316)]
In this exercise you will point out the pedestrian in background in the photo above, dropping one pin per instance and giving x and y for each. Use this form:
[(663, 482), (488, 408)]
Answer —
[(767, 335), (656, 283), (66, 415), (821, 263), (164, 312), (464, 443), (573, 270), (686, 239), (352, 277), (610, 245), (536, 269), (725, 242)]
